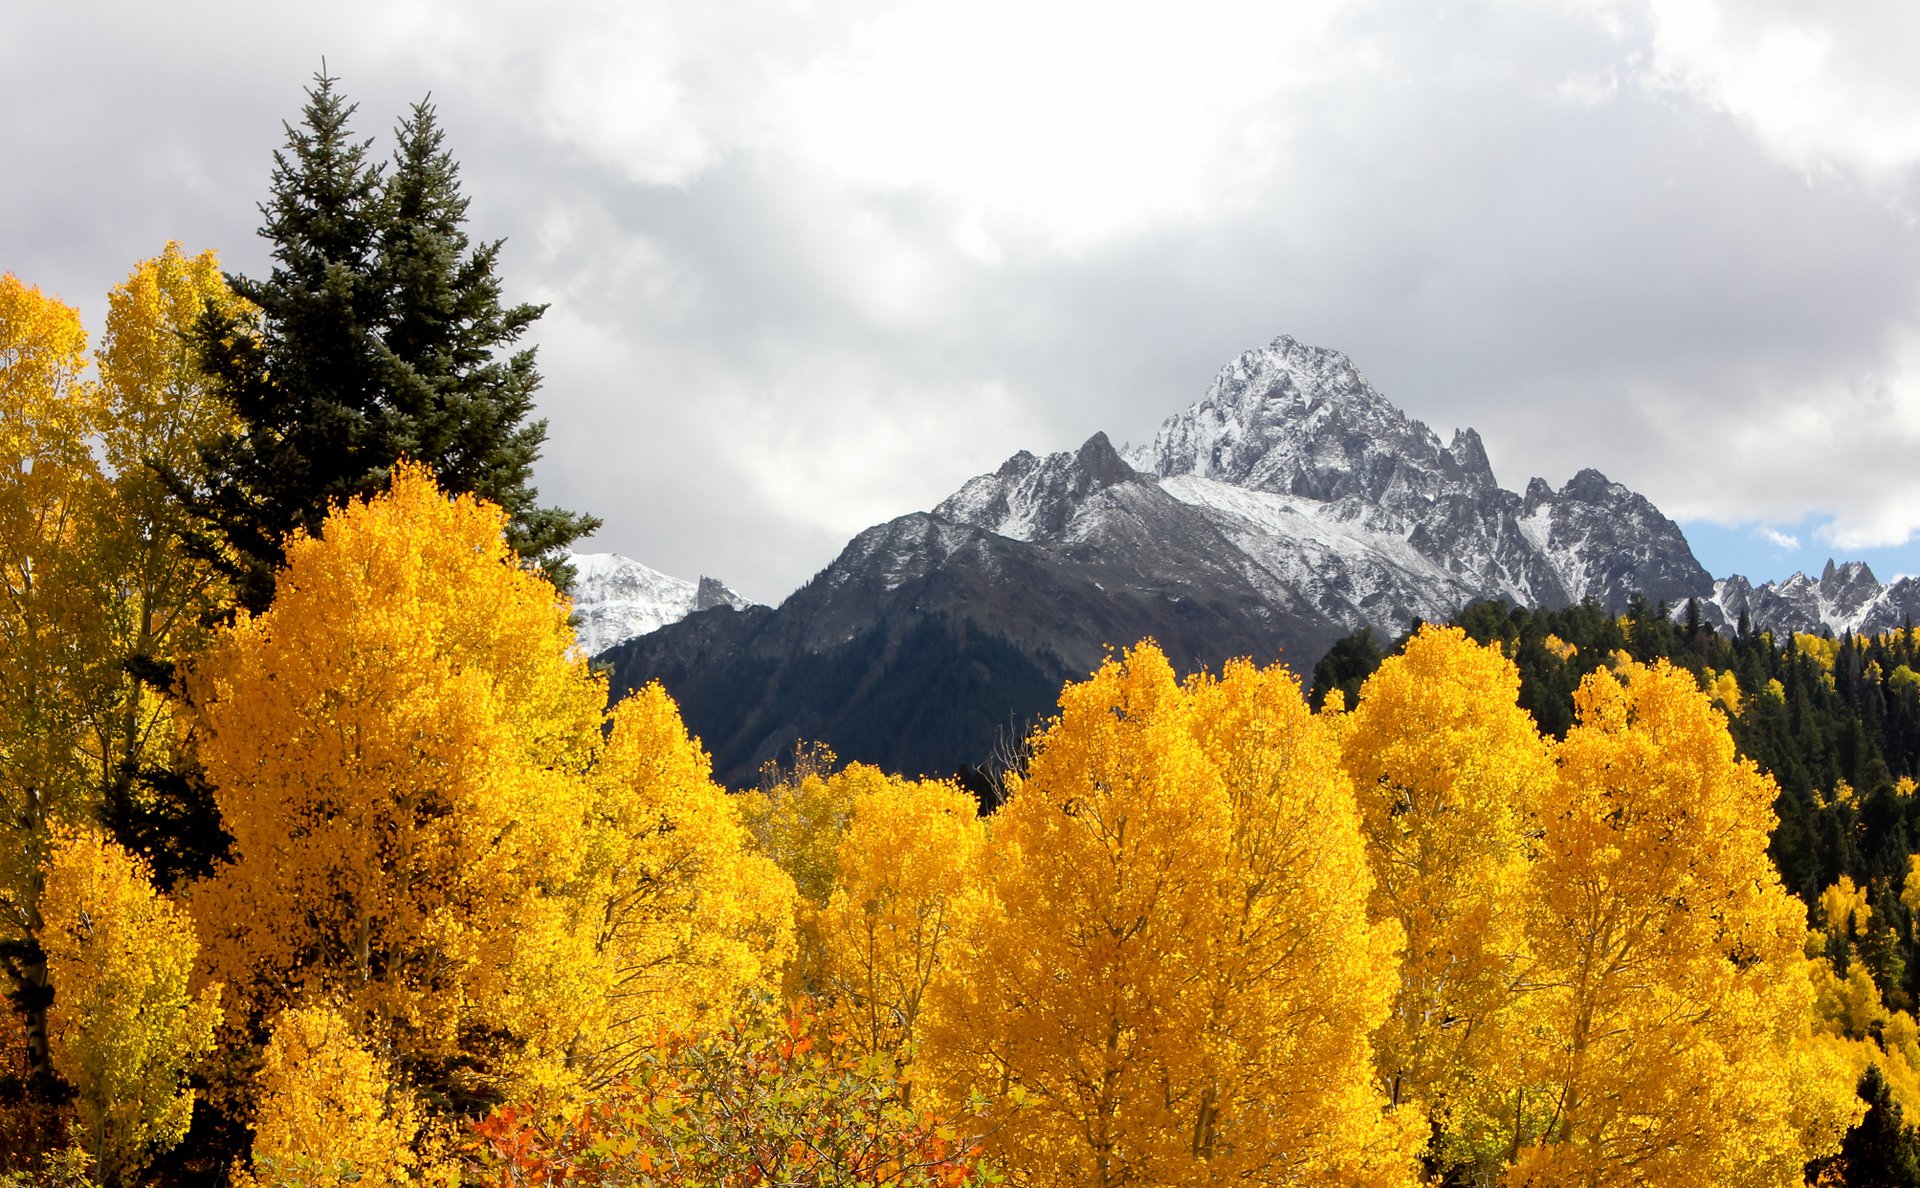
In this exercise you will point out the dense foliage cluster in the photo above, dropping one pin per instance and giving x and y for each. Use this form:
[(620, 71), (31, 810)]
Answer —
[(1836, 723)]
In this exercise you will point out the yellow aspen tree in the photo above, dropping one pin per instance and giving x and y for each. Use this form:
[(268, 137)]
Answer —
[(53, 672), (124, 1029), (910, 853), (686, 915), (1671, 961), (399, 748), (329, 1114), (1303, 976), (798, 821), (1448, 769), (159, 410), (1168, 976), (1845, 911)]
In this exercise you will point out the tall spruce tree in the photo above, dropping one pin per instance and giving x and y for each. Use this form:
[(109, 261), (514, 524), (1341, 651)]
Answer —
[(379, 336), (456, 403)]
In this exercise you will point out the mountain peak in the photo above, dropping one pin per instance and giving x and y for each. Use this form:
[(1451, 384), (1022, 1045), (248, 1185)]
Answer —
[(1101, 463), (1470, 453), (616, 598), (1031, 498), (1590, 486), (1301, 420)]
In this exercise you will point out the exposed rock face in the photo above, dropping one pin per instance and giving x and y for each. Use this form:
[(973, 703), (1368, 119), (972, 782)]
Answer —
[(1844, 598), (1292, 504), (1341, 494)]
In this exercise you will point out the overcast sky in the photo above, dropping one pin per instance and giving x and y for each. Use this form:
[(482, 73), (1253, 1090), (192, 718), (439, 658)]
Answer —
[(812, 265)]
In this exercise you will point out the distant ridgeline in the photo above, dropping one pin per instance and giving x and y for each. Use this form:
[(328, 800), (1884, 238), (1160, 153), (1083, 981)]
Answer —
[(1835, 721), (1289, 506)]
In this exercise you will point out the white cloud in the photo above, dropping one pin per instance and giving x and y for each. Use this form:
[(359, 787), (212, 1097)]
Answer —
[(1823, 86), (814, 263), (1777, 538), (1075, 121)]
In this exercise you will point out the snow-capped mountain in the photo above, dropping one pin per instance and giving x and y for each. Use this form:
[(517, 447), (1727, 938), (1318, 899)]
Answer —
[(1844, 598), (1333, 497), (616, 598), (1290, 505)]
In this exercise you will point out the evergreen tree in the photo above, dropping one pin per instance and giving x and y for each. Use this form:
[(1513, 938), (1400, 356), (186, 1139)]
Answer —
[(376, 340), (454, 404), (1883, 1151), (1346, 666)]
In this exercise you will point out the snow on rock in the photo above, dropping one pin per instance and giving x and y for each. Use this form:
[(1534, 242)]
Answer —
[(1843, 598), (1375, 512), (616, 598), (1319, 493), (1031, 498)]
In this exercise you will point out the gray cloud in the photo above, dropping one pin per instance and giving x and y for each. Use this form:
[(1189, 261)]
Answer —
[(812, 267)]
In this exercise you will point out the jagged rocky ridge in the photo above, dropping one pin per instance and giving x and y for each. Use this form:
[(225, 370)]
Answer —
[(1843, 598), (616, 598), (1289, 506)]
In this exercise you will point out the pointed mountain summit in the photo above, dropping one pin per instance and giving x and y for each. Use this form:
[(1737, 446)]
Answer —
[(616, 598), (1300, 420), (1356, 498), (1291, 504)]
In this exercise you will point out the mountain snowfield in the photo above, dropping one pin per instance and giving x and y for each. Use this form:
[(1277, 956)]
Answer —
[(1328, 493), (616, 598), (1332, 493)]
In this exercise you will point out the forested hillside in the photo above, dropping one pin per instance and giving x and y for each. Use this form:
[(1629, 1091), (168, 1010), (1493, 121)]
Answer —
[(1834, 721)]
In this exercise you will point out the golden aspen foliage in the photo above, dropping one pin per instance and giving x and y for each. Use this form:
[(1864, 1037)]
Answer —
[(161, 408), (1448, 770), (1723, 689), (398, 747), (1678, 1047), (1910, 888), (1302, 973), (124, 1029), (54, 675), (798, 821), (1168, 975), (1903, 678), (687, 916), (159, 411), (910, 853), (329, 1114), (1824, 652), (1853, 1029), (1845, 909), (1899, 1058), (93, 581), (1560, 648), (1850, 1006), (56, 671)]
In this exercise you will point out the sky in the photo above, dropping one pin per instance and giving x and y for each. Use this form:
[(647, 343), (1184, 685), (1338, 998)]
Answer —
[(810, 266)]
